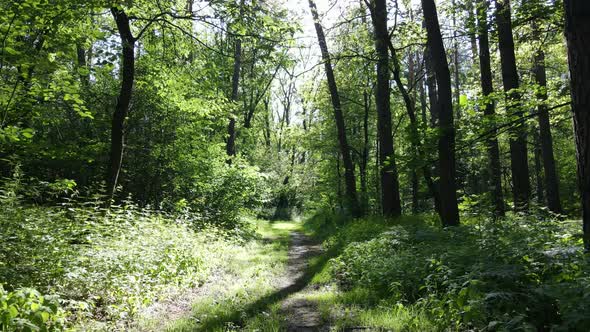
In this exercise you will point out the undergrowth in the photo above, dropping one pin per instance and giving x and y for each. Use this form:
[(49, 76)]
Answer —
[(519, 273), (80, 264)]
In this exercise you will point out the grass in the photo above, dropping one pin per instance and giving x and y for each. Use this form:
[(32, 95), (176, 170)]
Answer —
[(244, 294)]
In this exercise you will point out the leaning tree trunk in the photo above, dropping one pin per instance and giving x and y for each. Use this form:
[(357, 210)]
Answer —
[(577, 31), (390, 198), (446, 142), (349, 178), (518, 136), (123, 101), (545, 138), (487, 89)]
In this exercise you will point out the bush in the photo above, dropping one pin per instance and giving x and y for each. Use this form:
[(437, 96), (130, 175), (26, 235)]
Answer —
[(26, 309), (518, 273)]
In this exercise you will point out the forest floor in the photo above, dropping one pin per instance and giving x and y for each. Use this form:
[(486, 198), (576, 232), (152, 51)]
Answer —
[(263, 288)]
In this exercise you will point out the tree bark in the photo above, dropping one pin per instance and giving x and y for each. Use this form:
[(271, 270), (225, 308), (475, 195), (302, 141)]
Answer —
[(518, 136), (235, 84), (446, 142), (349, 178), (123, 101), (545, 138), (487, 89), (577, 32), (390, 197)]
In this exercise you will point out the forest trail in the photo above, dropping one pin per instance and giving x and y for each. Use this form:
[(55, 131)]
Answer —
[(300, 313)]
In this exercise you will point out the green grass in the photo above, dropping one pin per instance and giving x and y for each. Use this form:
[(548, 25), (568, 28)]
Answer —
[(245, 294)]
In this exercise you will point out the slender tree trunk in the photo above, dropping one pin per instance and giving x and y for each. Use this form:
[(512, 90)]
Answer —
[(538, 178), (390, 197), (487, 89), (235, 84), (518, 139), (365, 158), (123, 101), (577, 32), (545, 138), (446, 142), (349, 178)]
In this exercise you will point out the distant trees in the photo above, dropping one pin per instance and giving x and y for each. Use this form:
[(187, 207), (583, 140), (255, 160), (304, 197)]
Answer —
[(349, 178)]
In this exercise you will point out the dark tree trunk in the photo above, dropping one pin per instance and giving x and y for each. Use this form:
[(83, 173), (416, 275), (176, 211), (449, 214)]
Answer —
[(231, 128), (545, 138), (390, 198), (487, 89), (431, 85), (538, 178), (123, 101), (235, 84), (518, 136), (577, 32), (365, 158), (349, 178), (446, 142)]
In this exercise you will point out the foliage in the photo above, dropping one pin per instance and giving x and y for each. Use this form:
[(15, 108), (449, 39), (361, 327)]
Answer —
[(104, 265), (25, 309), (518, 273)]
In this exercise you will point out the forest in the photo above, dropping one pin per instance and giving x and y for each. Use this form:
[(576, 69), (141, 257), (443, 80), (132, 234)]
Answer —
[(295, 165)]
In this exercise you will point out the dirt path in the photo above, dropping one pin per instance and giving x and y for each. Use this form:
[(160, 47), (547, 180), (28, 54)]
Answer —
[(300, 313)]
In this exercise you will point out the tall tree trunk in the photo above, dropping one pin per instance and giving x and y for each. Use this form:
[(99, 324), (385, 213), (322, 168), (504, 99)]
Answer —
[(365, 157), (449, 210), (349, 178), (235, 84), (518, 136), (390, 197), (487, 89), (545, 138), (577, 32), (123, 101)]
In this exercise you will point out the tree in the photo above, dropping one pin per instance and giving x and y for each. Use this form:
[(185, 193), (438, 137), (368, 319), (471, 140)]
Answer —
[(235, 83), (545, 138), (124, 99), (487, 89), (349, 177), (518, 136), (390, 198), (449, 210), (577, 32)]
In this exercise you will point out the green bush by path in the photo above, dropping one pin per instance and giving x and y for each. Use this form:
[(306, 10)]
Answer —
[(98, 267), (517, 273)]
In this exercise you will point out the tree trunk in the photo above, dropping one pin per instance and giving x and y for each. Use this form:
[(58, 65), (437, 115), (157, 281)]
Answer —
[(446, 142), (349, 178), (487, 89), (577, 31), (235, 83), (123, 101), (545, 138), (518, 136), (390, 197), (537, 170)]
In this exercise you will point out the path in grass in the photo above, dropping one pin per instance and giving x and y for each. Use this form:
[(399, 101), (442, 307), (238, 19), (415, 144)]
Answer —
[(300, 314), (262, 286)]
